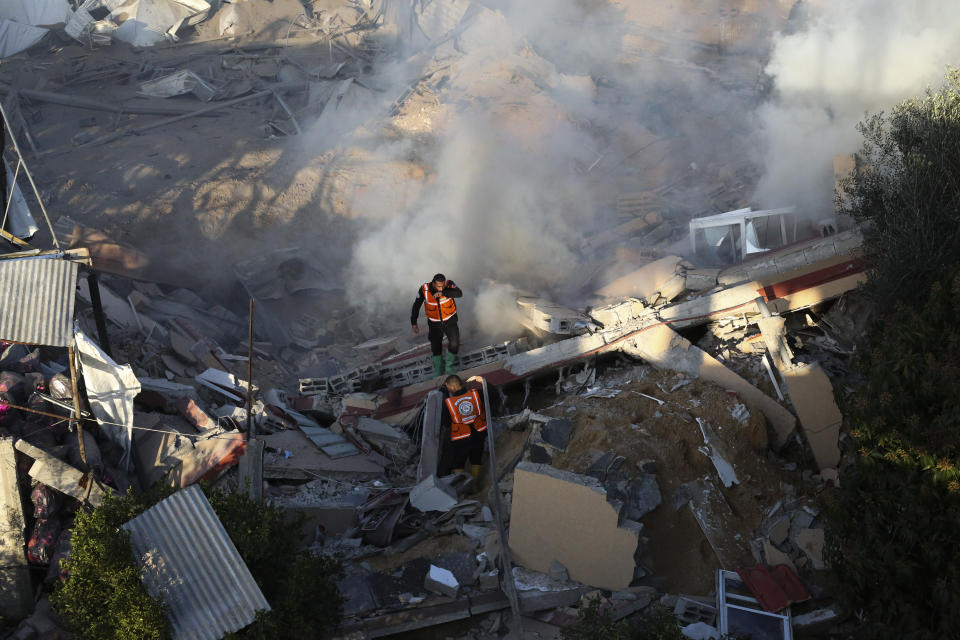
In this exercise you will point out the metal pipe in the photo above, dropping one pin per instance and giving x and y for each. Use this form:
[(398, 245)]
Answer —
[(507, 563), (101, 319), (250, 431)]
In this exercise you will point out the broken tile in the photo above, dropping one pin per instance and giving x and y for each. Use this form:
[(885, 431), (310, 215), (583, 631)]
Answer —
[(558, 515)]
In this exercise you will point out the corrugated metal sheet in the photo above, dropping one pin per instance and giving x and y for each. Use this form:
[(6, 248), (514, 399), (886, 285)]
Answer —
[(36, 300), (190, 561)]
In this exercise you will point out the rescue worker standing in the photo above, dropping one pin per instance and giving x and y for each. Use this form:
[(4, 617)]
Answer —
[(437, 297), (464, 421)]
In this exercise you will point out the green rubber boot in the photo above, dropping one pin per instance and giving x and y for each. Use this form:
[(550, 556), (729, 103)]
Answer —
[(437, 365), (448, 359)]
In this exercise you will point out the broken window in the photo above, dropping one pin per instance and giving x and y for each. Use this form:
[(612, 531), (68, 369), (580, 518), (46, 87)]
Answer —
[(736, 235), (741, 614)]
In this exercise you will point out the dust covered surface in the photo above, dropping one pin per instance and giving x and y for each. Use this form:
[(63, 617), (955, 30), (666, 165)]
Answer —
[(640, 429)]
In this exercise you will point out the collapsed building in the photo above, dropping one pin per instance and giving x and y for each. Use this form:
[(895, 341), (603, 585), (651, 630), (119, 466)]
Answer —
[(661, 445)]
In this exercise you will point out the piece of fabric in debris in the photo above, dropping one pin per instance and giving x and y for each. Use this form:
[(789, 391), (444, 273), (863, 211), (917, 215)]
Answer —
[(111, 389)]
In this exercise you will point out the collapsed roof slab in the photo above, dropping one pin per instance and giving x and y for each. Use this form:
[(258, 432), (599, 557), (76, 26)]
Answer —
[(814, 283)]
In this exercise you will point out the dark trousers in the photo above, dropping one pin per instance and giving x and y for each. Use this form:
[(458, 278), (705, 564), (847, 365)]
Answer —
[(436, 331), (456, 452)]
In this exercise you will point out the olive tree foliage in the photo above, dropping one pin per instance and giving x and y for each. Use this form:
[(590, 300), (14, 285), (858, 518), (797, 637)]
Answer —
[(894, 522), (907, 190)]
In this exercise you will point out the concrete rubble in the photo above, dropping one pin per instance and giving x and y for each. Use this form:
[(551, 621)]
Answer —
[(644, 422)]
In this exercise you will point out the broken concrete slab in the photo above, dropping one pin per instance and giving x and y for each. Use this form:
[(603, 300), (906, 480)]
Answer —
[(715, 449), (557, 433), (811, 542), (811, 393), (817, 621), (433, 495), (381, 431), (16, 591), (430, 440), (562, 516), (291, 455), (658, 282), (701, 279), (60, 476), (779, 529), (642, 495), (718, 523), (441, 581), (775, 557), (462, 564), (664, 347)]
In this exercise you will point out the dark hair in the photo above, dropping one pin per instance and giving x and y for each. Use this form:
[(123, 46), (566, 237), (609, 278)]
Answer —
[(453, 378), (439, 278)]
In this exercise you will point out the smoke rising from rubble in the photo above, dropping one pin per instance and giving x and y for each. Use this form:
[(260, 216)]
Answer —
[(503, 199), (854, 57)]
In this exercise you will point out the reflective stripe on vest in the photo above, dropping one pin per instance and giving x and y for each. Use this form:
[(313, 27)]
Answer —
[(464, 414), (438, 309)]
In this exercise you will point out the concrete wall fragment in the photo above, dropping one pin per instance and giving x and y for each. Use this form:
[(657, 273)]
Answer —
[(664, 347), (660, 280), (812, 396), (564, 517), (16, 591)]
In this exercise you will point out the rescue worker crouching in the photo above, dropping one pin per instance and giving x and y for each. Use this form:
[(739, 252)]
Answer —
[(436, 297), (464, 421)]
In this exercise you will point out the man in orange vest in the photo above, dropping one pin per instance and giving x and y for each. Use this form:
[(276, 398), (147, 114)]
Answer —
[(436, 297), (464, 419)]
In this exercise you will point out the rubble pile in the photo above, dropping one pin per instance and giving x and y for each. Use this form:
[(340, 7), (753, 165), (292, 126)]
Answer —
[(658, 435)]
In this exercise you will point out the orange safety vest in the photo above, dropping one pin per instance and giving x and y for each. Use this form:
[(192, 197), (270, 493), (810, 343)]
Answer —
[(438, 309), (465, 413)]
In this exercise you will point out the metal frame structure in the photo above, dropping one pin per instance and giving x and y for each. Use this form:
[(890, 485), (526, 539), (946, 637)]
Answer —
[(742, 219), (778, 625)]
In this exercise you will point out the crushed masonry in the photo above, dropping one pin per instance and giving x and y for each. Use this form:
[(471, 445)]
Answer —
[(678, 377)]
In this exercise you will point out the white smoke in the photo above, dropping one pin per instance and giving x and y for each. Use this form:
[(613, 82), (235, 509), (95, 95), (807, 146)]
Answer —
[(854, 57), (504, 199)]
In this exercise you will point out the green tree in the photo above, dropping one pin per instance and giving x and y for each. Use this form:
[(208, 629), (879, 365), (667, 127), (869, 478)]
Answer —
[(103, 597), (908, 190), (894, 523)]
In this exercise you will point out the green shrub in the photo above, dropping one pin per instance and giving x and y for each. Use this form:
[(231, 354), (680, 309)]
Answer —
[(892, 547), (595, 622), (300, 587), (103, 597)]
